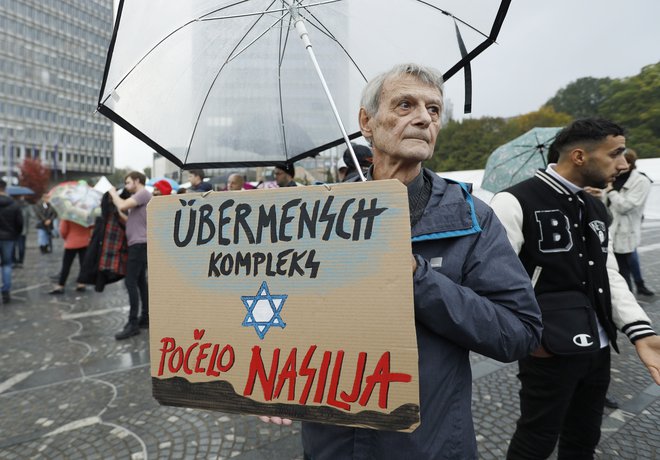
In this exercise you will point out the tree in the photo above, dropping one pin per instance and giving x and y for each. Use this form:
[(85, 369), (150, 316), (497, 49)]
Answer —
[(582, 98), (35, 175), (117, 177)]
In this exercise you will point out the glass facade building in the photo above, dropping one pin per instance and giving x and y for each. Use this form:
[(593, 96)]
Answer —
[(52, 56)]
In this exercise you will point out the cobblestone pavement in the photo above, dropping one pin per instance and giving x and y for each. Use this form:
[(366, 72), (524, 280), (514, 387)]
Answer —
[(69, 390)]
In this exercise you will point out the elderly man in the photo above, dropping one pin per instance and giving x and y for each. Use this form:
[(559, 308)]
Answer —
[(471, 292), (560, 233)]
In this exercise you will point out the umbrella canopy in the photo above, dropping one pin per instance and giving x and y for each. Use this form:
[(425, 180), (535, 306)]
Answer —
[(518, 159), (220, 83), (15, 190), (77, 202), (172, 182)]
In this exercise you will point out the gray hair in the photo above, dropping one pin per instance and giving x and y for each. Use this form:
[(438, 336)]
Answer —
[(371, 93)]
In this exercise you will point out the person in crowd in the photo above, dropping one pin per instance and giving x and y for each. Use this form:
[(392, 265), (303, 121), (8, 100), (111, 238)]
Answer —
[(136, 235), (480, 282), (341, 169), (197, 183), (284, 175), (364, 156), (11, 226), (636, 271), (560, 234), (46, 215), (235, 182), (26, 211), (162, 187), (626, 198), (76, 240)]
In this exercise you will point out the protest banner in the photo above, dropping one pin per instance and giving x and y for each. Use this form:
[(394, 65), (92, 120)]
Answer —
[(295, 302)]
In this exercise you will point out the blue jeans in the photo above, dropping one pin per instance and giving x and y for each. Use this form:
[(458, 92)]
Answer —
[(6, 259)]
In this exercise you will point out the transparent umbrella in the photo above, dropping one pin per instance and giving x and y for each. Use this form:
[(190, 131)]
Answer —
[(211, 83)]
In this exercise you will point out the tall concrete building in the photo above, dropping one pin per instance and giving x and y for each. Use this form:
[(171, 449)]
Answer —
[(52, 56)]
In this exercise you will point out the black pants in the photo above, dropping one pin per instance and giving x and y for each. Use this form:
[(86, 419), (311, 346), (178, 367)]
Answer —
[(136, 282), (624, 262), (561, 398), (67, 261)]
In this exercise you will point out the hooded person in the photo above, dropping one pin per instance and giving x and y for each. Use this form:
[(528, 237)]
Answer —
[(364, 156), (162, 187)]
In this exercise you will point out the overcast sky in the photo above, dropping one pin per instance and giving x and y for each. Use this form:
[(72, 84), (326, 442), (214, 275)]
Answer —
[(542, 47)]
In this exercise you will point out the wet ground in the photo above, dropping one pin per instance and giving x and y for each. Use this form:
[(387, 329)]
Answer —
[(69, 390)]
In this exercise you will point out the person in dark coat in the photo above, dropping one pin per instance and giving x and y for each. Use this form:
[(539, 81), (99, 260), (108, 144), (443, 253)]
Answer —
[(471, 292), (46, 216), (284, 175), (11, 226), (560, 233)]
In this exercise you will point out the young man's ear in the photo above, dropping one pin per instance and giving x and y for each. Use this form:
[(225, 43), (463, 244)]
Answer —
[(577, 156)]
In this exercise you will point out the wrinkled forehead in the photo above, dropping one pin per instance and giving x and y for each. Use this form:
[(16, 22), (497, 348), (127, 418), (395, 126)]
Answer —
[(412, 86)]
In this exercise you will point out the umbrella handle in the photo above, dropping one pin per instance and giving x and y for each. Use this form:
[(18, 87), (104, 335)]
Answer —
[(304, 36)]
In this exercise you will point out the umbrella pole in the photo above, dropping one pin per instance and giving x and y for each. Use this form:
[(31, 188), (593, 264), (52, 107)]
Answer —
[(304, 36)]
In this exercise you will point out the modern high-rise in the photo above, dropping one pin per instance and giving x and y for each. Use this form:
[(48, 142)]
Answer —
[(52, 56)]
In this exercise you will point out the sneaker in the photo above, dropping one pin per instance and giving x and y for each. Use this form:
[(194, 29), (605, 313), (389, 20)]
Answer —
[(643, 290), (129, 330), (6, 298), (144, 323)]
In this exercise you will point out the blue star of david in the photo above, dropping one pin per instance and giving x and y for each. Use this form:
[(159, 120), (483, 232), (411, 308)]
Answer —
[(263, 310)]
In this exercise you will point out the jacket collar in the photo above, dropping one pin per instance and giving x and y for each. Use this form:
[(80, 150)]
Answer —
[(449, 213), (553, 182)]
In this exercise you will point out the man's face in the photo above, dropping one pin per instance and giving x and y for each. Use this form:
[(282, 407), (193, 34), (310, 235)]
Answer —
[(195, 179), (234, 183), (407, 122), (130, 184), (281, 177), (604, 162)]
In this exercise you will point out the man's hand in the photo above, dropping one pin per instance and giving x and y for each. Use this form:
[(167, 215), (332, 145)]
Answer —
[(596, 192), (648, 350), (276, 420), (414, 263)]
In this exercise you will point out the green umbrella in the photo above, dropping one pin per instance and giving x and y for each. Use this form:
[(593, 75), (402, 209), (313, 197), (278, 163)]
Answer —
[(518, 159)]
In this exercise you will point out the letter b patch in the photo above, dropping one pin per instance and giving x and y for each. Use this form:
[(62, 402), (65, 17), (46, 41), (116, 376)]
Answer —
[(554, 229)]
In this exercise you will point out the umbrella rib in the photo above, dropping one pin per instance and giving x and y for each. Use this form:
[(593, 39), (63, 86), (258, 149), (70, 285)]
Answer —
[(324, 30), (447, 13), (282, 46), (233, 55), (160, 42), (257, 13), (201, 109)]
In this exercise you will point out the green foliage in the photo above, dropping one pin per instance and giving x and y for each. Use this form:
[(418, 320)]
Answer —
[(633, 102), (582, 98), (467, 144)]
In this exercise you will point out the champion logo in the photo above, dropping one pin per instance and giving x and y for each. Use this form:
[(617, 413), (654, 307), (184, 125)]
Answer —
[(583, 340)]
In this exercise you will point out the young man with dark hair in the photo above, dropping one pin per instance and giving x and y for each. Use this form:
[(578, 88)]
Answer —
[(136, 268), (560, 234), (197, 183)]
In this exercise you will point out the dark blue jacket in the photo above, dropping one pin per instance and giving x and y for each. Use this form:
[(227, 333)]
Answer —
[(471, 294)]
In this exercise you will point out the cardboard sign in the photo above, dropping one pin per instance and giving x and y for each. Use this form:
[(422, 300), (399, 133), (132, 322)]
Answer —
[(295, 302)]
